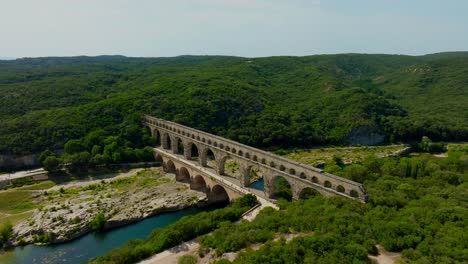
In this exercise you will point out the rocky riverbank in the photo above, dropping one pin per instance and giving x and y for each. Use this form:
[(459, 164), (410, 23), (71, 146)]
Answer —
[(70, 212)]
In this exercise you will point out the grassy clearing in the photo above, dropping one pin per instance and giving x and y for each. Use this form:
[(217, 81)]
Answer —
[(15, 202), (38, 186), (458, 147), (15, 218), (320, 156)]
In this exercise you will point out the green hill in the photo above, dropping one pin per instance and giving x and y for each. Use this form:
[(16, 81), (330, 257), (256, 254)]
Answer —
[(265, 102)]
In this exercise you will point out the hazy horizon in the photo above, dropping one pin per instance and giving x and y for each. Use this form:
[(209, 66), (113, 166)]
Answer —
[(245, 28)]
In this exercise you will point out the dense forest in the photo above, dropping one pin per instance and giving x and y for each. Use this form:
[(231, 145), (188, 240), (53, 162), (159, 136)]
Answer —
[(265, 102)]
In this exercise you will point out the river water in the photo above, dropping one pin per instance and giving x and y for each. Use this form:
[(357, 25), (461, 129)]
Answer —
[(259, 185), (93, 244)]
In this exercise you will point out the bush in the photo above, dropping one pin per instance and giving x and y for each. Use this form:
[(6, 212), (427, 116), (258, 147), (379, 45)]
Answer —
[(6, 230), (98, 222)]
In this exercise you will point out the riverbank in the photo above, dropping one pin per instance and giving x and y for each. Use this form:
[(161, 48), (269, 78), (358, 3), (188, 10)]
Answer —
[(68, 211)]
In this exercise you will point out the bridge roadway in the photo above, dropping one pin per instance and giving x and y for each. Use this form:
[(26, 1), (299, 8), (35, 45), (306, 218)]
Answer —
[(189, 144)]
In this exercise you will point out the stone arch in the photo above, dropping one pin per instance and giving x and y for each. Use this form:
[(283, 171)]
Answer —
[(166, 141), (254, 158), (240, 153), (194, 151), (208, 158), (198, 183), (198, 138), (209, 141), (315, 179), (272, 164), (354, 193), (292, 171), (282, 188), (340, 189), (247, 155), (263, 161), (233, 150), (158, 158), (218, 194), (215, 144), (327, 184), (231, 167), (227, 148), (308, 192), (221, 146), (157, 138), (302, 175), (254, 173), (183, 175), (203, 140), (170, 167), (180, 145)]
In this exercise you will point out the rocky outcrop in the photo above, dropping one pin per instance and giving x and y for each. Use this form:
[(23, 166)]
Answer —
[(71, 215)]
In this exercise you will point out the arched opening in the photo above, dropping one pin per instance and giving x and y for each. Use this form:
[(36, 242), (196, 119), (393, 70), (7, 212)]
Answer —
[(256, 178), (307, 193), (240, 153), (218, 195), (340, 189), (158, 158), (166, 141), (170, 167), (315, 179), (198, 183), (180, 146), (254, 158), (233, 150), (157, 138), (231, 168), (183, 175), (302, 175), (282, 168), (194, 155), (209, 158), (247, 155), (292, 171), (327, 184), (282, 189), (272, 164), (354, 193)]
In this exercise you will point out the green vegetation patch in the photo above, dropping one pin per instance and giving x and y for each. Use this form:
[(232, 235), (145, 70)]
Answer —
[(14, 202), (44, 185)]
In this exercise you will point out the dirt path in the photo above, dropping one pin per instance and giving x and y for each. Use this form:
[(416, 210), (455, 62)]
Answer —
[(385, 257)]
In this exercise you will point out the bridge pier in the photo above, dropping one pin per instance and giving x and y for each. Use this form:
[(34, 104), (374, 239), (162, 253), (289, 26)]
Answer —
[(244, 170)]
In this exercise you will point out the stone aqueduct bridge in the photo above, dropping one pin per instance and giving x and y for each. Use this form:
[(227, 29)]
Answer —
[(301, 177)]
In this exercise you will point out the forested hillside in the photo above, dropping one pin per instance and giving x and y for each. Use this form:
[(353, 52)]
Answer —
[(264, 102)]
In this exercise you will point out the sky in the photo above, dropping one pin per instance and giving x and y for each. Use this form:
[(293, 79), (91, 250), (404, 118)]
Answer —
[(249, 28)]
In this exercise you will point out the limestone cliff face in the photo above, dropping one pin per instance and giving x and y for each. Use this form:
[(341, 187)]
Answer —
[(365, 135)]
